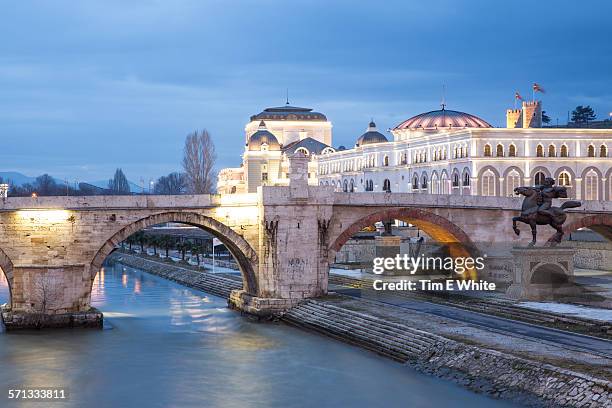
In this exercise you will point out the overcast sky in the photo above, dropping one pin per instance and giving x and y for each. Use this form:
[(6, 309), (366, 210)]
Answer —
[(88, 86)]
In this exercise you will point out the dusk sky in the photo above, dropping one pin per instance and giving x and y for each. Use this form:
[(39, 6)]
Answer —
[(86, 86)]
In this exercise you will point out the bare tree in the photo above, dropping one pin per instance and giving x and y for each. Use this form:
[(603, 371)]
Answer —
[(173, 183), (119, 184), (199, 161)]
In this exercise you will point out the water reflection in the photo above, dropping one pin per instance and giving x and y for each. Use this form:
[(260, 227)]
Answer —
[(172, 346)]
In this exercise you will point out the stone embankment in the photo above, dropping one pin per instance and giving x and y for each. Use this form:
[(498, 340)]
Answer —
[(480, 369), (494, 307)]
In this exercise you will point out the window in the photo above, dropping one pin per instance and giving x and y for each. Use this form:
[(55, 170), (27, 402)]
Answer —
[(512, 151), (264, 176), (564, 151), (386, 161), (345, 186), (551, 151), (564, 179), (591, 186), (456, 180), (444, 184), (487, 151), (513, 180), (539, 178), (387, 186), (233, 190), (302, 150), (591, 151), (424, 181), (415, 183), (435, 184), (603, 151), (500, 150), (540, 151), (352, 186), (488, 183), (466, 179)]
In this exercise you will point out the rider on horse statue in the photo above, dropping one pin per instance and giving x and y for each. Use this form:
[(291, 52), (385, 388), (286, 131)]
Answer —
[(537, 208)]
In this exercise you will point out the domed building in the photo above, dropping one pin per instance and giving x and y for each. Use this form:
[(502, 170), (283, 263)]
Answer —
[(443, 118), (371, 136), (270, 137), (452, 152)]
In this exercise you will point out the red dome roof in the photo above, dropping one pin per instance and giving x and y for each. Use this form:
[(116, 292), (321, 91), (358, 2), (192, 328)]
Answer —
[(443, 119)]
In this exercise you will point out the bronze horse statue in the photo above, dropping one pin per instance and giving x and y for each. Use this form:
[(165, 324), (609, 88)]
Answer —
[(537, 209)]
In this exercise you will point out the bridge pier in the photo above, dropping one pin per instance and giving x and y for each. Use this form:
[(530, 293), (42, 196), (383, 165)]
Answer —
[(50, 296)]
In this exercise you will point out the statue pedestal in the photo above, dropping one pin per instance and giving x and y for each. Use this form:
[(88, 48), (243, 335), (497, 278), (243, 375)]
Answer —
[(388, 246), (542, 273)]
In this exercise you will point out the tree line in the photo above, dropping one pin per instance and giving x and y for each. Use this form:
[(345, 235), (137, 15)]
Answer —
[(165, 243), (197, 176)]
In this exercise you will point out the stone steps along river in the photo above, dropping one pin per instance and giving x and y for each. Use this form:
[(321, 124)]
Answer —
[(488, 306)]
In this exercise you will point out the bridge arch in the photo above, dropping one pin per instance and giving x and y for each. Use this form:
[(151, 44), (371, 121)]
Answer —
[(7, 268), (600, 223), (242, 251), (437, 227)]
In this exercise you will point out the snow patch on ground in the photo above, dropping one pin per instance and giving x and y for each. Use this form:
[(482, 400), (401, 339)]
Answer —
[(604, 315), (353, 273)]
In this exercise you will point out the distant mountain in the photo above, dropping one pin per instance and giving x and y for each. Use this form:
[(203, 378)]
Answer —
[(16, 178), (20, 179)]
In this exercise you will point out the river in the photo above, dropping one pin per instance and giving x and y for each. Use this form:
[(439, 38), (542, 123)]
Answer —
[(168, 346)]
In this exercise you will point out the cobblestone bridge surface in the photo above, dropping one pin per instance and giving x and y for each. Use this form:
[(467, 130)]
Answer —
[(481, 369)]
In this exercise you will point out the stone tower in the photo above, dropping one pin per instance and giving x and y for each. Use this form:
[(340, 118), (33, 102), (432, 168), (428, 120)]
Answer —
[(532, 114), (514, 118)]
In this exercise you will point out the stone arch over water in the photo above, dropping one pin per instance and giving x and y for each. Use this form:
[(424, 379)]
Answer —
[(7, 269), (241, 250), (437, 227)]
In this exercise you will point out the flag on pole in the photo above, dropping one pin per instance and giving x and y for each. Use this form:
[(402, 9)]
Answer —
[(538, 88), (216, 242), (518, 96)]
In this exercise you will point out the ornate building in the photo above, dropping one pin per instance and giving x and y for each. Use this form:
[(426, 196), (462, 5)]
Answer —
[(450, 152), (270, 137), (437, 152)]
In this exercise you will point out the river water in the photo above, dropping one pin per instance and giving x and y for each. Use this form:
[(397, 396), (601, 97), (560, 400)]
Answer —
[(168, 346)]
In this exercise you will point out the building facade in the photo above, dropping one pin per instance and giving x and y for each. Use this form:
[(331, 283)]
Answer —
[(450, 152), (437, 152)]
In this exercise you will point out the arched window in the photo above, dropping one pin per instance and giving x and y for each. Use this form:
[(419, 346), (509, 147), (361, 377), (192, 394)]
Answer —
[(233, 190), (487, 150), (466, 179), (302, 150), (603, 151), (435, 184), (387, 186), (488, 183), (512, 151), (564, 179), (539, 178), (564, 151), (591, 151), (444, 184), (352, 186), (464, 152), (415, 182), (551, 151), (456, 180), (513, 180), (345, 186), (386, 161), (591, 188), (424, 181), (456, 153), (540, 151), (371, 185), (500, 150)]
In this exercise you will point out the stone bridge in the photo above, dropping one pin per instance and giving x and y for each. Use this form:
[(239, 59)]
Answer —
[(283, 237)]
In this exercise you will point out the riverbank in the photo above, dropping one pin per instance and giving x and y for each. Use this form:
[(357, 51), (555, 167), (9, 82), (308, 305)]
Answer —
[(471, 357)]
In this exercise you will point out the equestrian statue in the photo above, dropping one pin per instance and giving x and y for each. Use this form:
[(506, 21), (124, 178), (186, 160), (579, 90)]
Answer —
[(537, 208)]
